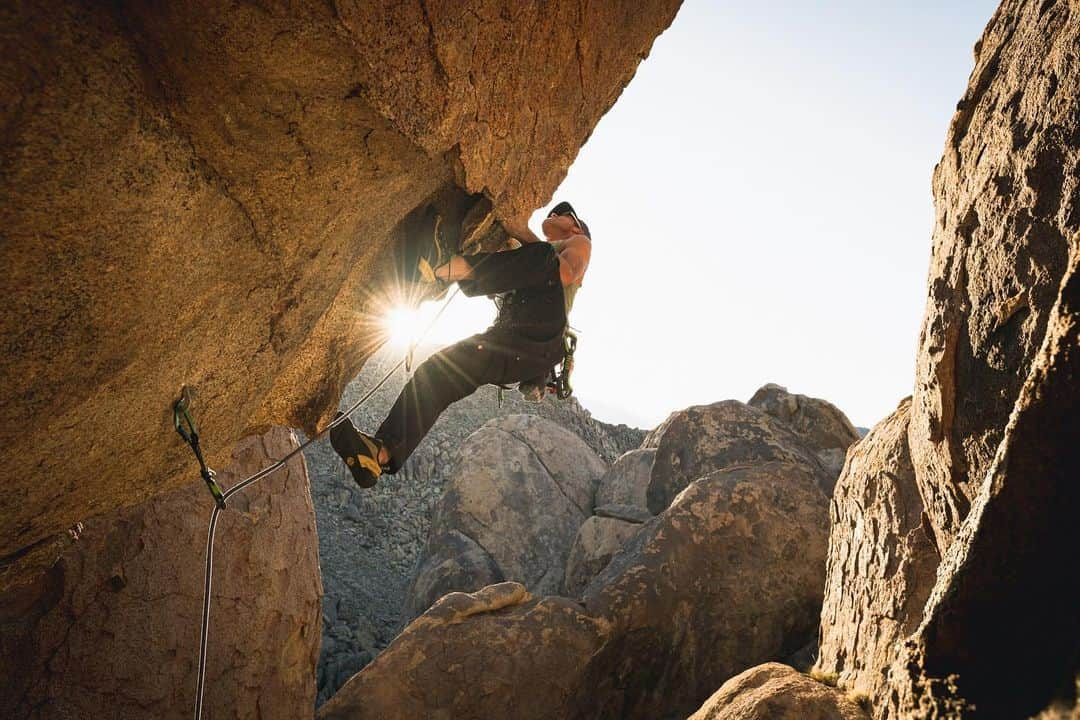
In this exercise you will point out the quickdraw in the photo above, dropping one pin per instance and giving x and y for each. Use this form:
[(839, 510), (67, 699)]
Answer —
[(561, 385), (181, 417)]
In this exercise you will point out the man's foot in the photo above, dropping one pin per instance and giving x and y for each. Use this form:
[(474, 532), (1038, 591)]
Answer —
[(359, 451)]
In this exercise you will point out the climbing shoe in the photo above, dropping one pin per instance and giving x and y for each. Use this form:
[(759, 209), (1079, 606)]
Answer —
[(359, 451)]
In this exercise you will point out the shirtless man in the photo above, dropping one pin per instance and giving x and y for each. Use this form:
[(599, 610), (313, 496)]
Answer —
[(534, 287)]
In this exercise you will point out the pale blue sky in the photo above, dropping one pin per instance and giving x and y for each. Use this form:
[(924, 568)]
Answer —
[(760, 205)]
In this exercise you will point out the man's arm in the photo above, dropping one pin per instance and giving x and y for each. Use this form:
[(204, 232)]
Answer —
[(456, 269), (574, 254), (518, 228)]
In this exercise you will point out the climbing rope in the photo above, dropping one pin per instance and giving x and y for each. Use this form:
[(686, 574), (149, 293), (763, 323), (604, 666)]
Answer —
[(185, 426)]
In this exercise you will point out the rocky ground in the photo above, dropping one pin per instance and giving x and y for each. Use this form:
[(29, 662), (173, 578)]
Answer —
[(370, 540)]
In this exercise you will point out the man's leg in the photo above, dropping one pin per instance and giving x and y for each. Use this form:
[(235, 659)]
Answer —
[(444, 378)]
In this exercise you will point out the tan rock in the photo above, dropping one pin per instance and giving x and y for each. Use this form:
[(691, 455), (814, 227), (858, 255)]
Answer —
[(819, 423), (598, 539), (693, 442), (882, 561), (207, 193), (114, 628), (777, 692)]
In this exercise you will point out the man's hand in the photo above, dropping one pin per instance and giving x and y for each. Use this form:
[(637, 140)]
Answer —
[(518, 228), (456, 269)]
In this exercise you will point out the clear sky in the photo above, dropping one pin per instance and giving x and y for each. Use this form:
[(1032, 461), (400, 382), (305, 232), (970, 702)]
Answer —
[(760, 204)]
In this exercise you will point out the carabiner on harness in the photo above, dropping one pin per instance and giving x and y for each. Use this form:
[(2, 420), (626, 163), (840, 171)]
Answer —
[(181, 418)]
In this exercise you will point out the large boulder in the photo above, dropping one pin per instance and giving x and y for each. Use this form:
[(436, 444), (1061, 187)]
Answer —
[(479, 655), (993, 426), (521, 489), (820, 424), (627, 480), (882, 561), (729, 576), (113, 628), (693, 442), (1007, 202), (777, 692), (209, 193)]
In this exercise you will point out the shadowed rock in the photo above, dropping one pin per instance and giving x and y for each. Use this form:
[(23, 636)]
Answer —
[(598, 539), (777, 692), (1001, 632), (452, 561), (114, 628)]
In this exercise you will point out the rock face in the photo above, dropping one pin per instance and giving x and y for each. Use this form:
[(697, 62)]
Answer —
[(777, 692), (113, 628), (819, 423), (1007, 201), (520, 491), (205, 193), (993, 425), (727, 577), (703, 438), (882, 561), (1001, 619), (371, 541)]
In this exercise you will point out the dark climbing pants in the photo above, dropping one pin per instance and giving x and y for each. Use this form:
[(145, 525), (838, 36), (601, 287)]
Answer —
[(505, 353)]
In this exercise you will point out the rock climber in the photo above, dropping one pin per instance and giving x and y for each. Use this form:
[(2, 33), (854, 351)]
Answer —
[(534, 287)]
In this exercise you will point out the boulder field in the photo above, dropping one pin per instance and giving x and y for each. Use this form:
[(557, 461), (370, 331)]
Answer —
[(657, 611)]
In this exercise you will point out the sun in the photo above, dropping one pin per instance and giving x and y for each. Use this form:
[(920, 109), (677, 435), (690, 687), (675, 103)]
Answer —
[(403, 325)]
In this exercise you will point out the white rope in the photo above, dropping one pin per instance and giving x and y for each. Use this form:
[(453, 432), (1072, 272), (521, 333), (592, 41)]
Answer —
[(270, 469)]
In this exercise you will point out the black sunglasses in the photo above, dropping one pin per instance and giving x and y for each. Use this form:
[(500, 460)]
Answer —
[(567, 211)]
